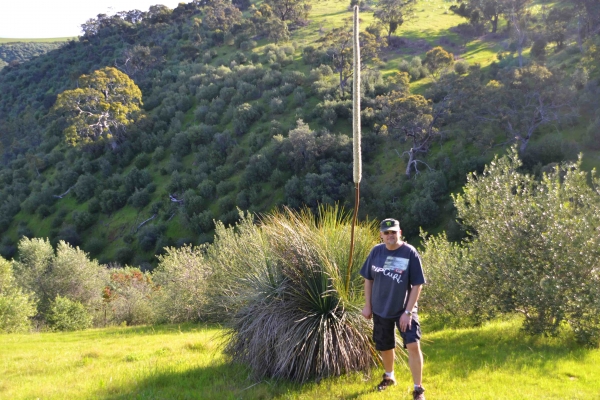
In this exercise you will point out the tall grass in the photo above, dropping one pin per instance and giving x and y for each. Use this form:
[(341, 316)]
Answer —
[(295, 318)]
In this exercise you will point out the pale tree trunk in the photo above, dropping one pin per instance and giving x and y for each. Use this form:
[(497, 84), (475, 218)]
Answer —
[(579, 40), (411, 161)]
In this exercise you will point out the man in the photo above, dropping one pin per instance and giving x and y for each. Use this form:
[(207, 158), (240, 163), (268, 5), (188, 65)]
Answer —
[(393, 280)]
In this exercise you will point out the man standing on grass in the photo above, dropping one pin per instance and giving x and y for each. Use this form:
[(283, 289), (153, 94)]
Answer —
[(393, 280)]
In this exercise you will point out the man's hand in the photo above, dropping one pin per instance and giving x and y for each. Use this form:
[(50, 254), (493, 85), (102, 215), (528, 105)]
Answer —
[(405, 321), (367, 312)]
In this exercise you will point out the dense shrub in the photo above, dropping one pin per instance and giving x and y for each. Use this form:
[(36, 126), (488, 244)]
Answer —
[(16, 306), (82, 220), (461, 67), (124, 255), (183, 277), (129, 296), (140, 199), (68, 315), (538, 49), (68, 273), (85, 187), (538, 236), (112, 200), (136, 179)]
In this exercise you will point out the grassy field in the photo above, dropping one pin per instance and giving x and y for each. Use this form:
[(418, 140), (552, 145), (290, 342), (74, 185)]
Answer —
[(186, 362), (43, 40)]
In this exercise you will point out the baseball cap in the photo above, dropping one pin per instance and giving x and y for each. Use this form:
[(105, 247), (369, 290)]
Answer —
[(389, 224)]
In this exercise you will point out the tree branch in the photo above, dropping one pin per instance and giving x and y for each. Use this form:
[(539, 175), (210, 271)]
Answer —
[(64, 194)]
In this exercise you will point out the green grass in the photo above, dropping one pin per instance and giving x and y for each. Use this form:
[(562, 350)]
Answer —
[(42, 40), (186, 362)]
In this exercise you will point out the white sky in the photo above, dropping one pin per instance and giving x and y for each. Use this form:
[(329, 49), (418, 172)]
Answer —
[(60, 18)]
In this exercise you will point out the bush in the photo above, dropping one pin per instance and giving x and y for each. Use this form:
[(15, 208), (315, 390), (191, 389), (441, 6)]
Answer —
[(148, 236), (140, 199), (129, 296), (16, 307), (68, 315), (276, 105), (461, 67), (94, 206), (95, 246), (82, 220), (124, 255), (69, 235), (538, 236), (538, 49), (85, 188), (112, 200), (183, 277), (136, 179), (593, 135)]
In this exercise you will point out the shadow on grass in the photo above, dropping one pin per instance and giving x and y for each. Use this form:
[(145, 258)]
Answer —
[(224, 381), (498, 346), (218, 379)]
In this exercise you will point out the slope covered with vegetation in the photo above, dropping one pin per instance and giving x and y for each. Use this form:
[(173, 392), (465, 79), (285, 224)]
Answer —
[(18, 52), (247, 105)]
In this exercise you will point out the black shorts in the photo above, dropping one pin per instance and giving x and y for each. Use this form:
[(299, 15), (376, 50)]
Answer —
[(383, 332)]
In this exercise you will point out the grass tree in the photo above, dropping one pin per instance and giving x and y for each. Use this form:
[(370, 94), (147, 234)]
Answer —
[(284, 283)]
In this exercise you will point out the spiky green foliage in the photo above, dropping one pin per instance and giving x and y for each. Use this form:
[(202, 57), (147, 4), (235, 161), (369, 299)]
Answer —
[(293, 315)]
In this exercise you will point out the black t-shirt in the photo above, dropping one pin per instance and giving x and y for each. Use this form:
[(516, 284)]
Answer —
[(393, 272)]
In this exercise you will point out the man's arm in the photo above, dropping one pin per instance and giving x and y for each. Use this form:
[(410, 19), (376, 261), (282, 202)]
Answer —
[(367, 311), (405, 319)]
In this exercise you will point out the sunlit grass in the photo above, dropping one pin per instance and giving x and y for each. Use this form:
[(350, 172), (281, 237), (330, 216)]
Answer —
[(186, 362), (41, 40)]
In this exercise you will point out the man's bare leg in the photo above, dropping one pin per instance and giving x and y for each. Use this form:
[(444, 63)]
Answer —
[(415, 362)]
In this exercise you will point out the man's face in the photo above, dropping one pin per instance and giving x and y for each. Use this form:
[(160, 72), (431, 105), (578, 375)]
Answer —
[(390, 237)]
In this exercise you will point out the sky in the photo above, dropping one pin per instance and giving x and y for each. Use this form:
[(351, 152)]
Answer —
[(61, 18)]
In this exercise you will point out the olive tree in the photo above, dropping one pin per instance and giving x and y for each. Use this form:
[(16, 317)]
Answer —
[(16, 306), (183, 277), (534, 248)]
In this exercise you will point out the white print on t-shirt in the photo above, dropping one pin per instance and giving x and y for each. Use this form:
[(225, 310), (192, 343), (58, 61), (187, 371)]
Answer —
[(393, 267)]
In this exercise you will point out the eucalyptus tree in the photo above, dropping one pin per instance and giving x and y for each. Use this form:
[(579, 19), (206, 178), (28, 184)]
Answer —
[(437, 60), (414, 119), (338, 45), (101, 108), (487, 10), (221, 15), (294, 11), (392, 13), (526, 99)]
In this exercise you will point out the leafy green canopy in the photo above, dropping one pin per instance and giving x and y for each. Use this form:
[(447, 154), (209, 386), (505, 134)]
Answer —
[(534, 249), (16, 306), (106, 102)]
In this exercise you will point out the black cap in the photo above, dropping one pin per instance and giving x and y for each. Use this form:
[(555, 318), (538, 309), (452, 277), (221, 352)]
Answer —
[(389, 224)]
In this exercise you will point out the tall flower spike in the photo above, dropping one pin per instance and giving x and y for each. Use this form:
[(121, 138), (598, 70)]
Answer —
[(356, 104), (357, 172)]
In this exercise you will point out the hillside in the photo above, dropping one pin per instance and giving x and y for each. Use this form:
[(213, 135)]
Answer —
[(20, 51), (249, 111)]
